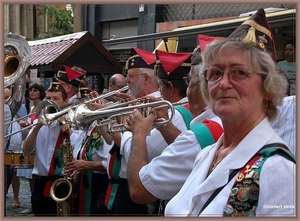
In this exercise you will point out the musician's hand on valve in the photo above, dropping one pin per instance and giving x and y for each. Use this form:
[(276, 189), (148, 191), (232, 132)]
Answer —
[(152, 99), (123, 97), (98, 104), (92, 95), (138, 124), (162, 113)]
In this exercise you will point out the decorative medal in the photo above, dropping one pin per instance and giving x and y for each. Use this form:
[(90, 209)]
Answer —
[(95, 141)]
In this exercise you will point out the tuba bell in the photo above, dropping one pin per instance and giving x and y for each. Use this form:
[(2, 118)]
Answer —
[(16, 61), (16, 58)]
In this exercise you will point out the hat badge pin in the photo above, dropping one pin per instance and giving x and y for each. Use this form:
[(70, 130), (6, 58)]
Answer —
[(262, 41), (132, 62)]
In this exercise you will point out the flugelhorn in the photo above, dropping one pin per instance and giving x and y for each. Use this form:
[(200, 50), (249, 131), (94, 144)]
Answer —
[(84, 117), (114, 127)]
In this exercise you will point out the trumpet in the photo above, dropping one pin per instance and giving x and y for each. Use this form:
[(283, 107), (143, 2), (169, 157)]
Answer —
[(84, 117), (105, 122), (114, 127)]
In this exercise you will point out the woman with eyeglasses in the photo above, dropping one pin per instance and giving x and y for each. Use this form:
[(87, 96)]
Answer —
[(241, 173)]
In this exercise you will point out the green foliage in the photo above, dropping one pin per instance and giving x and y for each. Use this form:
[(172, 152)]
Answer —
[(63, 20)]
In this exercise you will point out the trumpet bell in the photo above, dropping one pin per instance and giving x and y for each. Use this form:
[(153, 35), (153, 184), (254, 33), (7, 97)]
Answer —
[(82, 119), (16, 58), (45, 110)]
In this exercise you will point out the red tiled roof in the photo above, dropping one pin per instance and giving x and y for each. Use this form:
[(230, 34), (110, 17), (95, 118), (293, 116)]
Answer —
[(47, 50)]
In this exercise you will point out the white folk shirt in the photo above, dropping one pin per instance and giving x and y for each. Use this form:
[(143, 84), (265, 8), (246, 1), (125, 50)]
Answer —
[(285, 122), (6, 118), (77, 139), (165, 174), (155, 142), (277, 174), (45, 145)]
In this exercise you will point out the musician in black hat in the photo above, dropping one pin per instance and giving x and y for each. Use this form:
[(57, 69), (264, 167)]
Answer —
[(175, 92), (166, 171), (70, 79), (48, 164), (142, 82)]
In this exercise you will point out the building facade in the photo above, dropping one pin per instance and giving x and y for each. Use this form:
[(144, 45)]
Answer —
[(138, 25)]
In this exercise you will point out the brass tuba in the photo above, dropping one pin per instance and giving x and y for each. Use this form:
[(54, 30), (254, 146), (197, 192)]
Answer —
[(16, 61), (16, 58)]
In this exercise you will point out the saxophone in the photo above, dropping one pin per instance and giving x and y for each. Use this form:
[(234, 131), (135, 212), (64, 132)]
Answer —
[(62, 190)]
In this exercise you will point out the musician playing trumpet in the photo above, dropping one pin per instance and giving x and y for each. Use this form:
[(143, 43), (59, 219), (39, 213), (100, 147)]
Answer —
[(169, 84), (48, 165)]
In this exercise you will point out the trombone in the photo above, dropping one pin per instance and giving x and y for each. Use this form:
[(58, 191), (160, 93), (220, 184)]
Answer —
[(42, 109), (48, 111), (24, 128), (17, 119)]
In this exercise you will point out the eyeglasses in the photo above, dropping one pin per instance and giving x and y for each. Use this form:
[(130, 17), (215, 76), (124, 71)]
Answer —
[(214, 74), (130, 76), (188, 79), (119, 86)]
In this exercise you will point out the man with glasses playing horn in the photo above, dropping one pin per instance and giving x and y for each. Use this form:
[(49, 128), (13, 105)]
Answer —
[(169, 170), (172, 88), (141, 82), (48, 165)]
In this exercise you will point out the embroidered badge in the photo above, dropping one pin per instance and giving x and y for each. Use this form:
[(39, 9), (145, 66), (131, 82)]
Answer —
[(243, 197), (262, 41), (95, 141)]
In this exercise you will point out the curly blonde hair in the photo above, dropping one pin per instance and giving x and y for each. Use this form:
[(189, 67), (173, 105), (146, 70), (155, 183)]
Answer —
[(273, 83)]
